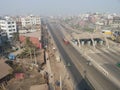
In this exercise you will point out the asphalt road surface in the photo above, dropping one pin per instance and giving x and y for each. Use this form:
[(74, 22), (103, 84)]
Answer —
[(107, 58), (79, 82), (79, 65)]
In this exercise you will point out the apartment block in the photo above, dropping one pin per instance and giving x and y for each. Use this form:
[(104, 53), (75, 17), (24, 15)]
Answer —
[(8, 25), (30, 20)]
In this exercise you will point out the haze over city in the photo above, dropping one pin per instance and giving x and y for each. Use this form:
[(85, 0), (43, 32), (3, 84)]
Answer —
[(60, 45), (57, 7)]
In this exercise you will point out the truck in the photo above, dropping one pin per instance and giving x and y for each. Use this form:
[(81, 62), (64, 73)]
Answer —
[(116, 36)]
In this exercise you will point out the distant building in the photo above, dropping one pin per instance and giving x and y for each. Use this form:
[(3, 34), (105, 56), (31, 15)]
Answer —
[(116, 20), (31, 22), (8, 25), (91, 18), (109, 21), (18, 22)]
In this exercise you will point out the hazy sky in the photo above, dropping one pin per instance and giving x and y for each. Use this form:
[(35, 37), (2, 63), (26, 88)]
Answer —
[(57, 7)]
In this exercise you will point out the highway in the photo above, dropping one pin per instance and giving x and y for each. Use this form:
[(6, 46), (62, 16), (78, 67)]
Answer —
[(107, 59), (79, 64), (79, 82)]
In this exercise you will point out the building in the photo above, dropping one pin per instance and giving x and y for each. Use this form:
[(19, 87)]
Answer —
[(17, 19), (116, 19), (5, 75), (3, 37), (31, 22), (3, 40), (35, 38), (8, 25)]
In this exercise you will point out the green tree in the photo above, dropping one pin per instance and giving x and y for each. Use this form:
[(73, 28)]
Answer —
[(29, 49), (15, 37)]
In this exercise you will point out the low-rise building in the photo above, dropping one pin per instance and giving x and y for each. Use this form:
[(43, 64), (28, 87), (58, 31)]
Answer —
[(35, 38), (31, 22), (4, 74)]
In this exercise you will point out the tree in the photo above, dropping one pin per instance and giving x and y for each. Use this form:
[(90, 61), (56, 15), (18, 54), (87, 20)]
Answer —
[(15, 37), (29, 49), (28, 43)]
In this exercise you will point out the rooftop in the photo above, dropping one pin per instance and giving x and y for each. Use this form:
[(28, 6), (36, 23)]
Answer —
[(36, 34), (39, 87), (4, 69)]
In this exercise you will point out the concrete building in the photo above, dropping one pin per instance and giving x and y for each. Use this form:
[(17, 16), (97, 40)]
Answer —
[(30, 21), (3, 37), (8, 25), (17, 19), (34, 37)]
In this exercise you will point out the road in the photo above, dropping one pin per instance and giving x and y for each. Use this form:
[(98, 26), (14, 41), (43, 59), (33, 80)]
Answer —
[(107, 59), (79, 82), (79, 65)]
